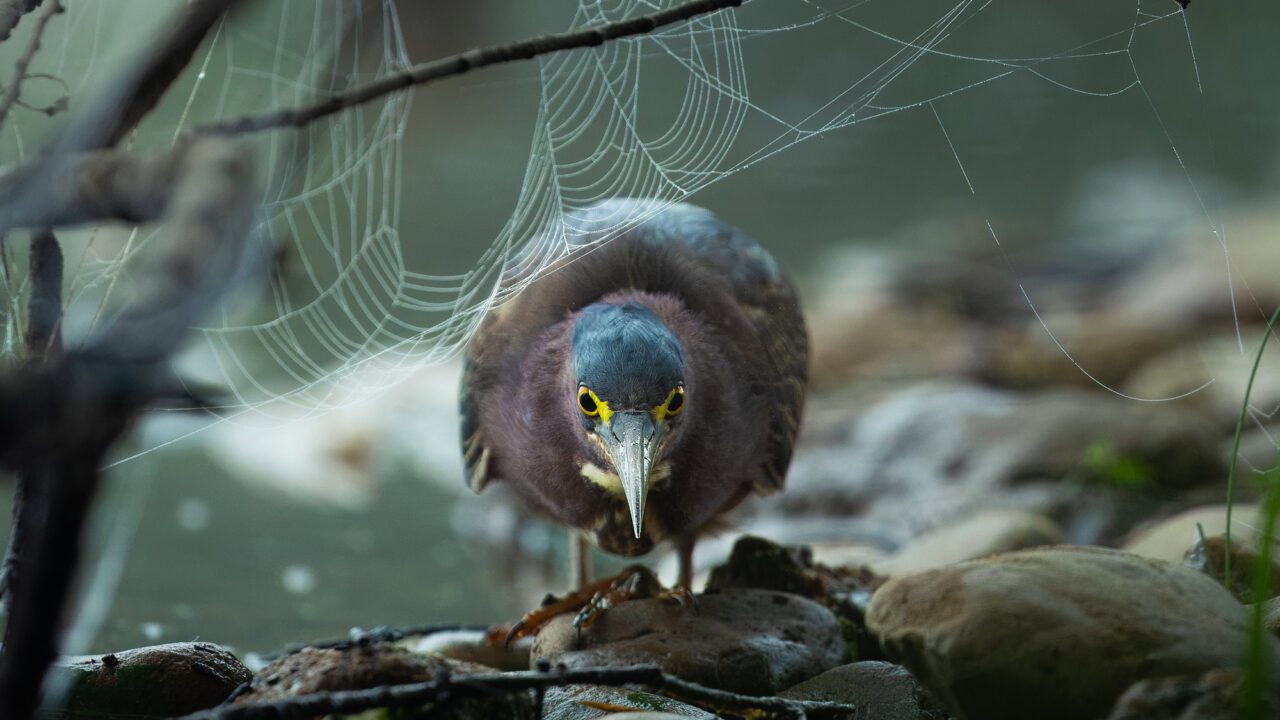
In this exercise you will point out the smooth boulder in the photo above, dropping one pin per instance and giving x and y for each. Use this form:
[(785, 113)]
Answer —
[(1055, 633)]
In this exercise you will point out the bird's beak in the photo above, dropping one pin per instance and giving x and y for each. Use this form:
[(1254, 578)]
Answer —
[(633, 439)]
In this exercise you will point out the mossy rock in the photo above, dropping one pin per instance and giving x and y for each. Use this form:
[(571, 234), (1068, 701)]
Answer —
[(161, 681)]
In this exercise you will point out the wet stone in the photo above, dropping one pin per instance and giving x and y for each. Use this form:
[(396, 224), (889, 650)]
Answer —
[(471, 646), (1209, 557), (753, 642), (760, 564), (879, 690), (1212, 696), (588, 702), (158, 681)]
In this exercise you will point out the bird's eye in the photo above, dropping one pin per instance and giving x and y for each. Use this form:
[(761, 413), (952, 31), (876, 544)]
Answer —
[(674, 403), (587, 402)]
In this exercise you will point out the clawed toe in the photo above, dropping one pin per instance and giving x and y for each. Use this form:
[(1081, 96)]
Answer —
[(592, 600)]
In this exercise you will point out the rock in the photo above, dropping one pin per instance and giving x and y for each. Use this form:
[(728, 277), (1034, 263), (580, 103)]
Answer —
[(1271, 615), (647, 716), (1213, 696), (368, 665), (588, 702), (880, 690), (846, 554), (1055, 633), (1217, 365), (986, 533), (1209, 557), (1169, 539), (758, 564), (939, 452), (1185, 284), (470, 646), (754, 642), (158, 681)]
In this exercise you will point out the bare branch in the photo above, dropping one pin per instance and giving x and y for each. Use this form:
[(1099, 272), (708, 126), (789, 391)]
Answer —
[(102, 185), (14, 90), (465, 62), (11, 11), (44, 303), (442, 689), (36, 190), (58, 420)]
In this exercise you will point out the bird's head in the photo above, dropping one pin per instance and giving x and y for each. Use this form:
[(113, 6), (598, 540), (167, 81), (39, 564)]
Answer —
[(629, 392)]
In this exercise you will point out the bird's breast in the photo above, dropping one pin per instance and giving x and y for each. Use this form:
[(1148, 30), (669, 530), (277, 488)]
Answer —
[(612, 484)]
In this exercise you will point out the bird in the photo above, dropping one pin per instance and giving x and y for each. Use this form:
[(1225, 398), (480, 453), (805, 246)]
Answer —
[(641, 387)]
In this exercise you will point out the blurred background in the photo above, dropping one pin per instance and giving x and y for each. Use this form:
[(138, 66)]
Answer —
[(1036, 245)]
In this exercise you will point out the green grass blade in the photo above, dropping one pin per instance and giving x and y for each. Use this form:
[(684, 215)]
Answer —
[(1235, 449)]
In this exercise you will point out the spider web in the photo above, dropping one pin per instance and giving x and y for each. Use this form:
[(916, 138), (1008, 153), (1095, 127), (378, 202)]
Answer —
[(352, 307)]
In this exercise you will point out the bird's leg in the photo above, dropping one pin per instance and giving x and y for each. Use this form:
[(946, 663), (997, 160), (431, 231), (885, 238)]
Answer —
[(684, 561), (532, 622), (579, 560)]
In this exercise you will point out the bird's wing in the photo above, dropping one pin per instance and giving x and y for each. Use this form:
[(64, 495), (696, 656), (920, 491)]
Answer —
[(770, 306), (476, 453)]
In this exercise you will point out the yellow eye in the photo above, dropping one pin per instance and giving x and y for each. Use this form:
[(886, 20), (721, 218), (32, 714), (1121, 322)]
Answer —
[(674, 403), (587, 402)]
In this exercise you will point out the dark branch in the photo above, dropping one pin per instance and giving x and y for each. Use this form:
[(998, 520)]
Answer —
[(44, 302), (11, 11), (35, 189), (103, 185), (43, 341), (14, 90), (465, 62), (57, 420), (413, 695)]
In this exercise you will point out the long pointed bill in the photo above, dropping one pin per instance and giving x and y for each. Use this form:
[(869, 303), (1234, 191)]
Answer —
[(633, 440)]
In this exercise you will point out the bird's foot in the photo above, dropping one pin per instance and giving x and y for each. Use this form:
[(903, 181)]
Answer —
[(593, 599)]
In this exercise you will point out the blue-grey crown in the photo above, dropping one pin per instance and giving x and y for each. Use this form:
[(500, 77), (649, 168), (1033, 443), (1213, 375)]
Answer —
[(626, 355)]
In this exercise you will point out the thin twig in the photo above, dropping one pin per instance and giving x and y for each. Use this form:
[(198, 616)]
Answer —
[(411, 695), (11, 11), (167, 61), (11, 94), (465, 62)]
